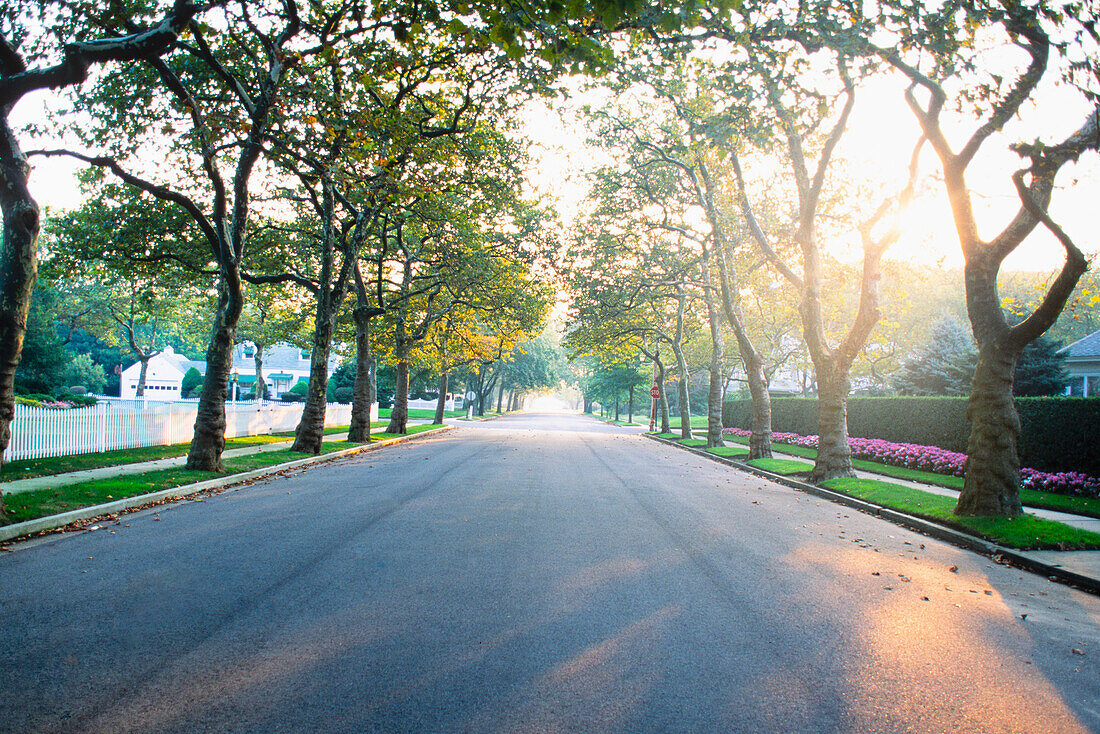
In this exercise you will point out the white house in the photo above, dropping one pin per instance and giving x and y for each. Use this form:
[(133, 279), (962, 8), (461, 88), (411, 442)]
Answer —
[(283, 365), (163, 378), (1083, 365)]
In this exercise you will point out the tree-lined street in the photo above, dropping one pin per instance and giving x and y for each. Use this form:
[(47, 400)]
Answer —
[(536, 573)]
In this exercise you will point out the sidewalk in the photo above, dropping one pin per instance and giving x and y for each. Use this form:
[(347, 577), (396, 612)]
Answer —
[(1083, 563)]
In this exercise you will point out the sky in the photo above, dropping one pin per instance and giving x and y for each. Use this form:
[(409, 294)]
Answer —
[(876, 148)]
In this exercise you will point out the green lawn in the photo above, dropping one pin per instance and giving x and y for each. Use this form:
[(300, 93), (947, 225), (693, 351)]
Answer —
[(694, 443), (422, 413), (1027, 532), (43, 502), (697, 421), (728, 451), (27, 468), (1087, 506), (781, 466)]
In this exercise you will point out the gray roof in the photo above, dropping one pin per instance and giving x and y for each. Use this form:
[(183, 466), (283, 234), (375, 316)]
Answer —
[(182, 363), (1087, 348), (280, 358)]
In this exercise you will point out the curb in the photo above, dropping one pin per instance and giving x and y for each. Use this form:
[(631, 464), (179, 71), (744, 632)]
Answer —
[(999, 554), (53, 522)]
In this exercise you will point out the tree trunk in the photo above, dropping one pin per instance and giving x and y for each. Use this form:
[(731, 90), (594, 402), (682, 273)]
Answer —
[(500, 398), (373, 380), (18, 272), (760, 442), (399, 416), (310, 433), (616, 408), (140, 393), (362, 400), (716, 371), (685, 398), (441, 402), (834, 458), (630, 407), (714, 404), (992, 483), (259, 387), (208, 440), (663, 399)]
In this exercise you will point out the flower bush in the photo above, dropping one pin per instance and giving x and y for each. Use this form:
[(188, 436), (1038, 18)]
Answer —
[(941, 461)]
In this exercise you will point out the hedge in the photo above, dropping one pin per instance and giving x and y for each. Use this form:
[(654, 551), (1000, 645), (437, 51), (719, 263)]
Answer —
[(1057, 433)]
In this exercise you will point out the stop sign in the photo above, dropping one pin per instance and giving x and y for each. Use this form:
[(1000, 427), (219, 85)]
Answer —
[(654, 392)]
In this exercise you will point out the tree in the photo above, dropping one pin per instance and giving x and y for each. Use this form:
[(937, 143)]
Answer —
[(20, 51), (82, 372), (802, 116), (945, 363), (687, 142), (44, 359), (191, 380), (942, 52), (1040, 369), (629, 294), (115, 290)]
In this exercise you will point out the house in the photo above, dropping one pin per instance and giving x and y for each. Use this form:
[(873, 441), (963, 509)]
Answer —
[(163, 377), (284, 366), (1083, 366)]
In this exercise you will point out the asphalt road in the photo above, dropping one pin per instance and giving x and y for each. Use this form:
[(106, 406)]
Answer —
[(533, 574)]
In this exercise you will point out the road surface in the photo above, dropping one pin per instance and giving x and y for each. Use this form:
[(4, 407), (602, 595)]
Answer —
[(532, 574)]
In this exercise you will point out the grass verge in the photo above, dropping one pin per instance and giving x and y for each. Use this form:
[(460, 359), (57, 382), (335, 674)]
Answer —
[(44, 502), (728, 451), (694, 443), (1025, 533), (781, 466), (27, 468), (422, 413)]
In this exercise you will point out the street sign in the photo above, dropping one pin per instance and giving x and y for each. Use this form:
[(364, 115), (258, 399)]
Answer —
[(654, 392)]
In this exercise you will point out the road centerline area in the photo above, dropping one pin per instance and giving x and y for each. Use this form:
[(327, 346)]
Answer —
[(535, 573)]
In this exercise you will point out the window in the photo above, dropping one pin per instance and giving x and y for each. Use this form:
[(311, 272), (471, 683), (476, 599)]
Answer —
[(1092, 386)]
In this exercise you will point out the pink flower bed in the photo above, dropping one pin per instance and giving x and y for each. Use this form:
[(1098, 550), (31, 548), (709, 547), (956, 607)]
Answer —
[(941, 461)]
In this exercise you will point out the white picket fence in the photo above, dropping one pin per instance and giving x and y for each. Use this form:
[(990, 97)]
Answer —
[(42, 432)]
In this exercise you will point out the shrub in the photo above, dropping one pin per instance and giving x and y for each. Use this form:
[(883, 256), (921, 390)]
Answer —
[(292, 397), (192, 382), (78, 390), (299, 388), (344, 394)]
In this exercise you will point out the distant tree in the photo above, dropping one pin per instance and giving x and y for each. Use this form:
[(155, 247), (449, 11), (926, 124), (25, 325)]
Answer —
[(82, 371), (41, 369), (342, 377), (1040, 370), (944, 365)]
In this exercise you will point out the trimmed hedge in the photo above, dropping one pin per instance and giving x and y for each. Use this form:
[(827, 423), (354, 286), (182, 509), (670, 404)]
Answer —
[(1057, 433)]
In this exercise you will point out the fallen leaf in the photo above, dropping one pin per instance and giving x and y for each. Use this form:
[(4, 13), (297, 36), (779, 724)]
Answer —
[(954, 569)]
